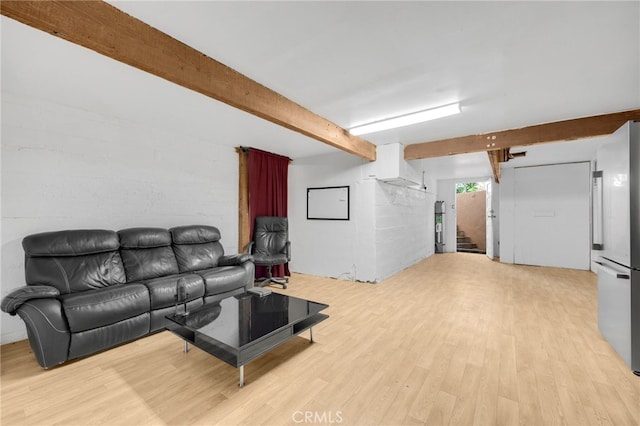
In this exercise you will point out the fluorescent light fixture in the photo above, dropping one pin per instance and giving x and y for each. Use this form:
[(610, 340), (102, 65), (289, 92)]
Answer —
[(406, 119)]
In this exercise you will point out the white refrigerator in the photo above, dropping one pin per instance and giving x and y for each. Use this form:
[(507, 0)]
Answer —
[(617, 195)]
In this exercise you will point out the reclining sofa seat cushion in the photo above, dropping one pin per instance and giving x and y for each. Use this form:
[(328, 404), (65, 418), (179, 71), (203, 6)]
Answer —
[(149, 260), (100, 319), (198, 249), (86, 268), (162, 292)]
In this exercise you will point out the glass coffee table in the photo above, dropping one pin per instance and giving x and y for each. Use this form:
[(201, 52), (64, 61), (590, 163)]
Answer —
[(240, 328)]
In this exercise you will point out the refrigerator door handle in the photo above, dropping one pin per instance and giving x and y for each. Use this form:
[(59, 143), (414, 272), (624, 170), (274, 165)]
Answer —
[(613, 272), (597, 214)]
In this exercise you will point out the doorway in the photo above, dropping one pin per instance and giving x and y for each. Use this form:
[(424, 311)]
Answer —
[(471, 222)]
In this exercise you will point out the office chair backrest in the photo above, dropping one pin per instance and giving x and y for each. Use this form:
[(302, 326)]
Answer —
[(270, 234)]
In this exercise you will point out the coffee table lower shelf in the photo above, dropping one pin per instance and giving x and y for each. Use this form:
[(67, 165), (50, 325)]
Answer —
[(239, 357)]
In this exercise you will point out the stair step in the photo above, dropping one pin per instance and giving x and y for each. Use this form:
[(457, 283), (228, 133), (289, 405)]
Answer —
[(467, 250), (467, 245)]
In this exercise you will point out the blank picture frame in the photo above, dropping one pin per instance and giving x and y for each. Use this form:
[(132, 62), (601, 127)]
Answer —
[(328, 203)]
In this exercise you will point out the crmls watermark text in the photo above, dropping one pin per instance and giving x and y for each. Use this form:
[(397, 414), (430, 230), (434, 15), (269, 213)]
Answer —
[(312, 417)]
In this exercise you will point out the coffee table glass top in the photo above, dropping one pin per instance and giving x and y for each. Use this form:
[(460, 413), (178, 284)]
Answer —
[(240, 320)]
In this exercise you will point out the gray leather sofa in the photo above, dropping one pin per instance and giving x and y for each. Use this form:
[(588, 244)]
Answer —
[(90, 290)]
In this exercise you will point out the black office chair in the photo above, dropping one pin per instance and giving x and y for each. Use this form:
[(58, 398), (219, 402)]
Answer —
[(271, 246)]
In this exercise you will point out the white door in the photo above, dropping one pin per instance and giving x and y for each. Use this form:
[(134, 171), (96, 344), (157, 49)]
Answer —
[(490, 216), (552, 211)]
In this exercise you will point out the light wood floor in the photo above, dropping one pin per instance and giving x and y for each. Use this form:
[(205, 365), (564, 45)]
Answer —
[(456, 339)]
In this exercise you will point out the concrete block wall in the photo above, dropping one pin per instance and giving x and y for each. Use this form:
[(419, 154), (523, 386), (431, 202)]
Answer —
[(404, 220), (64, 168)]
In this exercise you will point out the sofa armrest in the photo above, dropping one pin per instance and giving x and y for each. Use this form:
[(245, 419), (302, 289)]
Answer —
[(48, 330), (19, 296), (235, 259), (287, 250)]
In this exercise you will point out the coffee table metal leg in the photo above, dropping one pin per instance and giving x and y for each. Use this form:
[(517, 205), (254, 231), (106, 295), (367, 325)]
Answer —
[(241, 368), (186, 346), (311, 334)]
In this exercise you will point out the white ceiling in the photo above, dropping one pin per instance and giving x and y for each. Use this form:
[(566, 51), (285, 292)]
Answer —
[(510, 64)]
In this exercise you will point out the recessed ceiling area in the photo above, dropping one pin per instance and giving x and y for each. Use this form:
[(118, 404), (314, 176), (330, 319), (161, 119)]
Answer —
[(509, 64)]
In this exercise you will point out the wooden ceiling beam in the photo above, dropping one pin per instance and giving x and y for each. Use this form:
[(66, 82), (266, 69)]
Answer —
[(109, 31), (566, 130), (495, 164), (496, 157)]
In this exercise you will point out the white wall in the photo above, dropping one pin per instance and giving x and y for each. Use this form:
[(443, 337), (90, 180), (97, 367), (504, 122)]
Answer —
[(391, 227), (330, 247), (64, 168)]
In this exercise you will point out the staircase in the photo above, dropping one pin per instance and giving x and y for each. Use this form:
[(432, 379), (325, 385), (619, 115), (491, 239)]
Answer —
[(464, 243)]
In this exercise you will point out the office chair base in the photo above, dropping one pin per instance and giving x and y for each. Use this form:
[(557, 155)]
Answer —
[(273, 280)]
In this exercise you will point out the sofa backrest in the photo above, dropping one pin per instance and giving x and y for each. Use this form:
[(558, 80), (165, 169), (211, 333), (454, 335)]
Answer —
[(75, 260), (147, 253), (196, 247)]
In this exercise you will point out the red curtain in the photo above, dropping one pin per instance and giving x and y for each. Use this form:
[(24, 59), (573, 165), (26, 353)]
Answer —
[(268, 193)]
